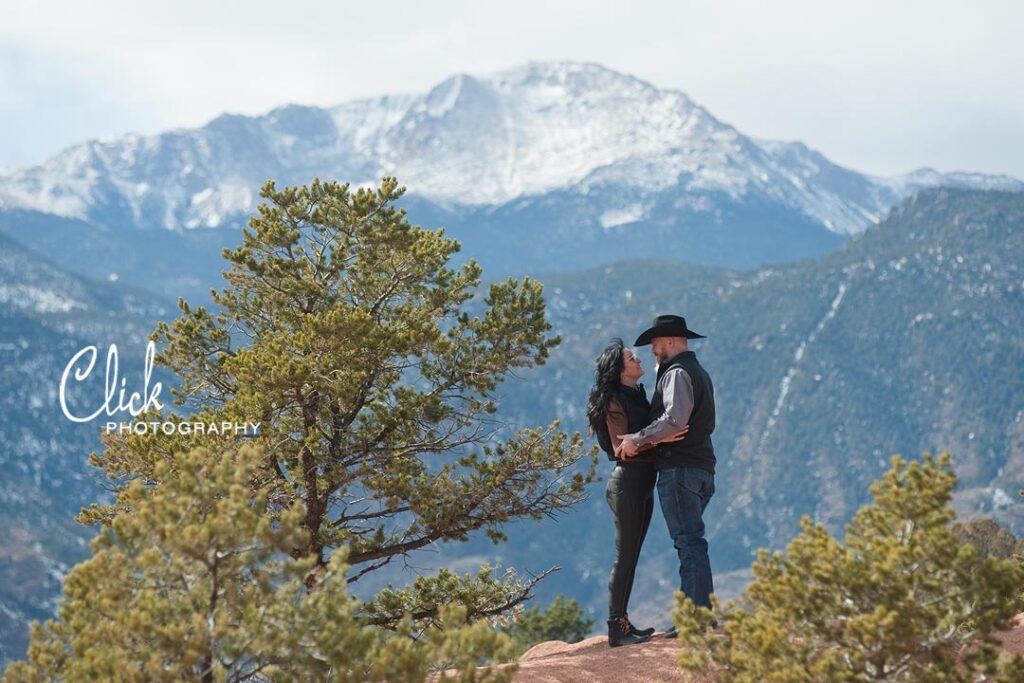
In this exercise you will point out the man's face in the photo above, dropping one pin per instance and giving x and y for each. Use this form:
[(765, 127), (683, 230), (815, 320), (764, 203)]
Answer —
[(661, 348)]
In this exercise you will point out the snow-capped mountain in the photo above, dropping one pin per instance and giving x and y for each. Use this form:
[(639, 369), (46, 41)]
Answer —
[(579, 174), (471, 141)]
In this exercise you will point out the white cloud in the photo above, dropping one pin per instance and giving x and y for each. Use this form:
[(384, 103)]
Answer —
[(881, 86)]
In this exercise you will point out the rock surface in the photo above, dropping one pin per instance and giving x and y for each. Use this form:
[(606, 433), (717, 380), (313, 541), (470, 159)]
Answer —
[(592, 661)]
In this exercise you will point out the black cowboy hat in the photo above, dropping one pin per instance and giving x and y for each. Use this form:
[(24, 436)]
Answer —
[(667, 326)]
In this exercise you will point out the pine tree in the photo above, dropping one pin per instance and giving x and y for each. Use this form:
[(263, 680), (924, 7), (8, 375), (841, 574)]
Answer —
[(899, 600), (371, 366), (192, 581)]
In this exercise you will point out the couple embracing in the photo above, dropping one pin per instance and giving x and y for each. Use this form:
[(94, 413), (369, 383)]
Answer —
[(664, 443)]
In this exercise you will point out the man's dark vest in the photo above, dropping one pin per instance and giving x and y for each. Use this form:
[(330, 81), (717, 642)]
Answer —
[(637, 410), (695, 450)]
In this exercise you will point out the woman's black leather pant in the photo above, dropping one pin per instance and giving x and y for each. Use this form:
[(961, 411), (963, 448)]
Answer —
[(630, 494)]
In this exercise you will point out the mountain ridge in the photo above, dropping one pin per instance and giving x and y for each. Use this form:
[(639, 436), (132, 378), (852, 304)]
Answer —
[(470, 141)]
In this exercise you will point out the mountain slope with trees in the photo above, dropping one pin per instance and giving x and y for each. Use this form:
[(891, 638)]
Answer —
[(904, 340)]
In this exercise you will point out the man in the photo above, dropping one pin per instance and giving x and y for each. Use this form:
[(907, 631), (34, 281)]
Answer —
[(684, 395)]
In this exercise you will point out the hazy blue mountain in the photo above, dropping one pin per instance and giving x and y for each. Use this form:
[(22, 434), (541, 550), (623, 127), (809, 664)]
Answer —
[(46, 316), (550, 165)]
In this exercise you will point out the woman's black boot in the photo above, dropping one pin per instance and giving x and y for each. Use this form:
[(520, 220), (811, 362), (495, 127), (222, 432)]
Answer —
[(619, 633), (640, 631)]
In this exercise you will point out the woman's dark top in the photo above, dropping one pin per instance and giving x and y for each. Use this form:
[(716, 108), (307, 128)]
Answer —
[(628, 413)]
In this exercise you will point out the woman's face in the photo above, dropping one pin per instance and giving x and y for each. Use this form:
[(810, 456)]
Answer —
[(631, 369)]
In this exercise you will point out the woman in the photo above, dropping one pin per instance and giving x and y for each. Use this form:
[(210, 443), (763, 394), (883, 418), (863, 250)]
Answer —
[(618, 406)]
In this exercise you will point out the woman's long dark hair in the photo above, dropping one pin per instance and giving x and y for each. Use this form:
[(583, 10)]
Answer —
[(606, 379)]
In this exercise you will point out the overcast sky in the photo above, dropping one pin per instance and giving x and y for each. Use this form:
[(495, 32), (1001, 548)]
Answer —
[(882, 87)]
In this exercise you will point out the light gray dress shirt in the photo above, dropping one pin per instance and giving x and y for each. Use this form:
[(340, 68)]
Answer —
[(677, 395)]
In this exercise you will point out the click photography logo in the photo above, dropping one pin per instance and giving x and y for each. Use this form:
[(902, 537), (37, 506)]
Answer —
[(117, 400)]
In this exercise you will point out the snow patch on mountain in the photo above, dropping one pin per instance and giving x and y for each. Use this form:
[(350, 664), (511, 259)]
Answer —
[(38, 299), (624, 216)]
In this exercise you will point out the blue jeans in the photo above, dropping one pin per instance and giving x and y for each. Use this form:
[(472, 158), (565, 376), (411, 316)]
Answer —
[(684, 492)]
